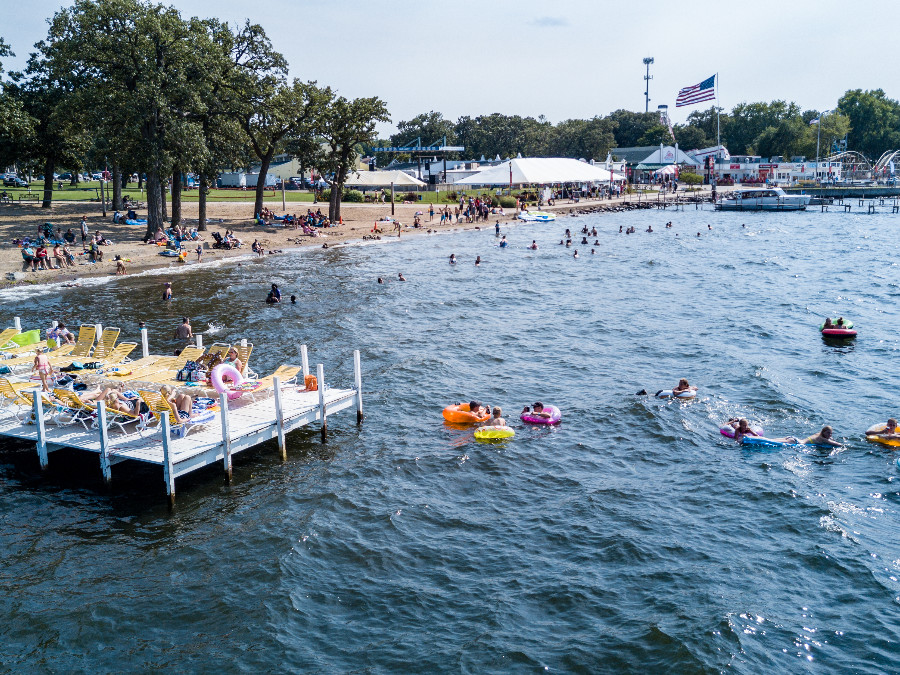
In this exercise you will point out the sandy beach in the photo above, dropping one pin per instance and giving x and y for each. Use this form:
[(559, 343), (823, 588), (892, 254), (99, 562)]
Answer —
[(18, 221)]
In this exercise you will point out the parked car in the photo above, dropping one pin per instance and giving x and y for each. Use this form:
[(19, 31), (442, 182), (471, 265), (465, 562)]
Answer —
[(14, 181)]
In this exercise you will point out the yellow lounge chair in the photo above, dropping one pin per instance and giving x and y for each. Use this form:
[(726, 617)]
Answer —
[(219, 348), (244, 352), (85, 341), (23, 399), (25, 349), (70, 403), (286, 375), (9, 391), (6, 334), (106, 343), (160, 406)]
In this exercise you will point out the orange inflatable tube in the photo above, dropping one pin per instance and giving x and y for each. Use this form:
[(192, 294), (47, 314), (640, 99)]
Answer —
[(459, 414)]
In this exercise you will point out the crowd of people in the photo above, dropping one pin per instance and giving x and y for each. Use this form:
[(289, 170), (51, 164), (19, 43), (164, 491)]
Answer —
[(307, 223)]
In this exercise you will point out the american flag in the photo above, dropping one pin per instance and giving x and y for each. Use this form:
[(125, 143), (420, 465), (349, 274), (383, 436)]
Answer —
[(705, 91)]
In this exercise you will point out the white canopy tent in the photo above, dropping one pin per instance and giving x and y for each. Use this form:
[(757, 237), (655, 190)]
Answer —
[(541, 171), (374, 179)]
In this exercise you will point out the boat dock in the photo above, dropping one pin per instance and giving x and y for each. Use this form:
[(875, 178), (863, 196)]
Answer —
[(237, 425)]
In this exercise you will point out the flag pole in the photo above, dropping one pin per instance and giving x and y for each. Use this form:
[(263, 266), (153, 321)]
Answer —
[(718, 127)]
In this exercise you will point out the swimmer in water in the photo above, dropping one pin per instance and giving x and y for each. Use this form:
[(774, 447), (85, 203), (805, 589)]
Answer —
[(743, 429), (683, 386), (620, 229), (649, 228), (593, 252), (890, 431), (709, 226), (576, 253), (400, 276), (824, 437), (496, 420), (167, 291), (452, 258), (380, 280), (533, 246), (477, 261)]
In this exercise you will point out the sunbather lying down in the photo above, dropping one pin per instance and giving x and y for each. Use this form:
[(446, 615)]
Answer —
[(113, 398)]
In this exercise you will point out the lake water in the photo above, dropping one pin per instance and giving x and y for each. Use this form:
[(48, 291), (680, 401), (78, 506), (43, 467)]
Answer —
[(631, 538)]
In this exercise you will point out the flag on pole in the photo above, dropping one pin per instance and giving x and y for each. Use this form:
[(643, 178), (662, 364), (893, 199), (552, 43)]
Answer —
[(815, 120), (705, 91)]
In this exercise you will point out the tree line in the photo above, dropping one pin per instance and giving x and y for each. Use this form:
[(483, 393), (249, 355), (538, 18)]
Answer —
[(137, 87), (869, 120)]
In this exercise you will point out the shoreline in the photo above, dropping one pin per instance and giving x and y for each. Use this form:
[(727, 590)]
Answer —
[(16, 221)]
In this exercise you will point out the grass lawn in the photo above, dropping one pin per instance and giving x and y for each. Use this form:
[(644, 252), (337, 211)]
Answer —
[(91, 192)]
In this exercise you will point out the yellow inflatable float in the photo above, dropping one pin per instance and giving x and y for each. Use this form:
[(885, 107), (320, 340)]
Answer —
[(493, 433)]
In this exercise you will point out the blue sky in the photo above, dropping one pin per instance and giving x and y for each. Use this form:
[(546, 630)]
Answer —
[(565, 59)]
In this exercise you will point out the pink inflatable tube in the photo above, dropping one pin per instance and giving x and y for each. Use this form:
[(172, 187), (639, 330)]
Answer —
[(227, 371), (555, 416)]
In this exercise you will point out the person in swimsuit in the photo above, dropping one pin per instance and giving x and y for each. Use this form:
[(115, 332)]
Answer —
[(167, 291), (234, 360), (743, 429), (452, 258), (539, 411), (828, 324), (42, 367), (181, 403), (823, 438), (683, 386), (497, 419), (534, 245), (890, 430)]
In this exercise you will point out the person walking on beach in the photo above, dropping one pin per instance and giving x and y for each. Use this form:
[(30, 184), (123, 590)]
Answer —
[(184, 332), (430, 212), (84, 233)]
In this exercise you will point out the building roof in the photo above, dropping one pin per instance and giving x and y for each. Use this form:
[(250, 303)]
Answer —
[(540, 171), (654, 154)]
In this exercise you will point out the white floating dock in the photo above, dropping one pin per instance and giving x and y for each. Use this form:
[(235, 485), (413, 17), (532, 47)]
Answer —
[(237, 426)]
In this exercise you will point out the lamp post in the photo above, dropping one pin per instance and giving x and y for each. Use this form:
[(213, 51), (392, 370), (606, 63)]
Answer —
[(647, 78)]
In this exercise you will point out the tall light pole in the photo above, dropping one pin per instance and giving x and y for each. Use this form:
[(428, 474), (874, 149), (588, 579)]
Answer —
[(818, 137), (647, 79)]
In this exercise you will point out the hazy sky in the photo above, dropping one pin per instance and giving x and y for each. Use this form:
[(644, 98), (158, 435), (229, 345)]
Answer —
[(564, 59)]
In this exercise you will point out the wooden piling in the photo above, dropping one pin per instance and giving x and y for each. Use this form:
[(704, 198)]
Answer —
[(226, 435), (145, 345), (304, 360), (38, 410), (168, 468), (357, 379), (279, 417), (320, 374), (104, 443)]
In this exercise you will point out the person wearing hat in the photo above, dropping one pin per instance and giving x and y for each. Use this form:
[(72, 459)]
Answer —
[(539, 411)]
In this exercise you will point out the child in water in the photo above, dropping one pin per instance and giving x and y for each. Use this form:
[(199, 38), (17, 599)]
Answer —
[(497, 419)]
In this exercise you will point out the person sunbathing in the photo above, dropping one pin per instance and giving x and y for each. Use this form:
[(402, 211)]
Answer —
[(181, 403)]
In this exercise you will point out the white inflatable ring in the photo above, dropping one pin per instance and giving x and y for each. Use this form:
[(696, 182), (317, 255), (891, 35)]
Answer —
[(223, 371)]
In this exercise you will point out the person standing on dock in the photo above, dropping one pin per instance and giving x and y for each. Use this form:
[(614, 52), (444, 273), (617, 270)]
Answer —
[(184, 332)]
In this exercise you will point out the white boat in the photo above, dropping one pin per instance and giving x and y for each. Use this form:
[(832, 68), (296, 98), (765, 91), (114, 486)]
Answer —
[(537, 216), (762, 199)]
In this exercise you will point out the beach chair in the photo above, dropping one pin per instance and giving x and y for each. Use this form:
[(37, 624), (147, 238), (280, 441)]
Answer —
[(23, 349), (21, 400), (119, 354), (244, 352), (106, 343), (9, 392), (6, 334), (219, 348), (85, 341), (70, 403), (159, 406), (287, 376)]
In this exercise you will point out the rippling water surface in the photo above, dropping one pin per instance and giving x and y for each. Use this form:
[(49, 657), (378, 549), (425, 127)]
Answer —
[(631, 538)]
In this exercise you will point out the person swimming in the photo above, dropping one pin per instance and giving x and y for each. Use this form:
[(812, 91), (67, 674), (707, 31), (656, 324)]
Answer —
[(452, 258), (400, 276), (683, 386), (503, 242), (477, 261), (534, 245), (743, 429), (576, 253)]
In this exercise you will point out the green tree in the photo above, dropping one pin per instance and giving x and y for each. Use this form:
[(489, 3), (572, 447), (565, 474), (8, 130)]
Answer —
[(345, 126), (748, 121), (430, 127), (275, 112), (656, 135), (583, 139), (631, 127), (15, 123), (136, 67), (692, 137), (874, 121)]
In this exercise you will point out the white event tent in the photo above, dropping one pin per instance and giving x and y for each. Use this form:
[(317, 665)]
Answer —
[(373, 179), (541, 171)]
